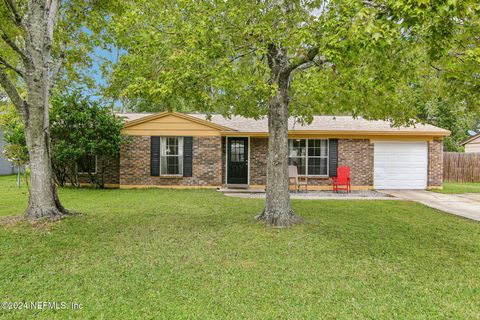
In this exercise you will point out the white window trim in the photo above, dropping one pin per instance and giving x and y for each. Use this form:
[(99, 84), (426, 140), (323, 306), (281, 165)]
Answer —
[(307, 156), (94, 172), (178, 156)]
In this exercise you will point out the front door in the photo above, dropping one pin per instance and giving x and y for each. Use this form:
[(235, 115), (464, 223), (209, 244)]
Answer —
[(237, 161)]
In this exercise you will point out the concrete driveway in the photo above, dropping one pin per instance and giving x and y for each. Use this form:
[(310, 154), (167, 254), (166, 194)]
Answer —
[(464, 205)]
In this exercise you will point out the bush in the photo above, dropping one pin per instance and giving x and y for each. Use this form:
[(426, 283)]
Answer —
[(82, 129)]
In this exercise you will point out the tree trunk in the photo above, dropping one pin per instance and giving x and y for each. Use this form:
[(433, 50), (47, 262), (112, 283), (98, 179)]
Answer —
[(43, 201), (277, 211), (35, 52)]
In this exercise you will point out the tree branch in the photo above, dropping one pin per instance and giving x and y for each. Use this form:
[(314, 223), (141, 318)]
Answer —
[(241, 55), (57, 66), (12, 92), (304, 58), (12, 45), (11, 67), (306, 65), (51, 14), (13, 9), (375, 5)]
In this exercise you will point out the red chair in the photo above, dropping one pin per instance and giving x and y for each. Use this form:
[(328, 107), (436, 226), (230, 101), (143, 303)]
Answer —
[(342, 180)]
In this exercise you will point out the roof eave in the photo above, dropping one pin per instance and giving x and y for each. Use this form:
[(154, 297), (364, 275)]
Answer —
[(475, 136), (180, 115), (443, 133)]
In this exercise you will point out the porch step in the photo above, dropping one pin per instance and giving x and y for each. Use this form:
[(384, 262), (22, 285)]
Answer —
[(237, 186), (236, 190)]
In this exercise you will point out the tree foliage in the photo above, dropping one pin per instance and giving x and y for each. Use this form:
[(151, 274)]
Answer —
[(80, 128), (211, 55), (446, 103), (77, 32), (448, 91)]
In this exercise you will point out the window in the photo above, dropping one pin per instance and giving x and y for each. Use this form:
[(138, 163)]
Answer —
[(237, 151), (317, 157), (310, 156), (87, 164), (171, 156), (297, 155)]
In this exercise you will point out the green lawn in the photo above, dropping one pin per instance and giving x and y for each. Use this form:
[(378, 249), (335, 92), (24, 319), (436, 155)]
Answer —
[(460, 187), (151, 254)]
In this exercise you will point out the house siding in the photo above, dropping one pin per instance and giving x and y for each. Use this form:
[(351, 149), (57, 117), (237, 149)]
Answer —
[(6, 167), (473, 146), (206, 163)]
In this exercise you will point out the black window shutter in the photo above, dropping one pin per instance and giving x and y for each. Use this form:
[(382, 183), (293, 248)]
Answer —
[(155, 156), (187, 156), (332, 157)]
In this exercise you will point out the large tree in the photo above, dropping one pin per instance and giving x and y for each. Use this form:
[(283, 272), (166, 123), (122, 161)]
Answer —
[(448, 93), (276, 58), (29, 35), (37, 38)]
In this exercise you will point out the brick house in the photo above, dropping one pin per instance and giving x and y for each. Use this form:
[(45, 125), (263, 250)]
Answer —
[(172, 149)]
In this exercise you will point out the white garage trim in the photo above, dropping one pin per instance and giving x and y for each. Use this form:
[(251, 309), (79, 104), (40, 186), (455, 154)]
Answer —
[(400, 165)]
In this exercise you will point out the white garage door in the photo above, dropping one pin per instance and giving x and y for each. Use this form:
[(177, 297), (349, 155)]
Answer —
[(400, 165)]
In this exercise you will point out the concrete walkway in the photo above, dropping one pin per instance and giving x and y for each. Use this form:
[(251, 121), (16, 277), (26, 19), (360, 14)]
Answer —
[(321, 195), (464, 205)]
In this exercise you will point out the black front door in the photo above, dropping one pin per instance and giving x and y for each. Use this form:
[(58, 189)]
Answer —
[(237, 163)]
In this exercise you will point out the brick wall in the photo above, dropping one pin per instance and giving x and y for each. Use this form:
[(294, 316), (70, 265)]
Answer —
[(224, 157), (435, 163), (209, 163), (135, 163), (112, 170), (258, 161), (358, 155), (111, 175)]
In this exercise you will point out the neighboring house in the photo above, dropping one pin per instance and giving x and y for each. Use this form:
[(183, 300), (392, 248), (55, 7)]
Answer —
[(472, 144), (6, 167), (187, 150)]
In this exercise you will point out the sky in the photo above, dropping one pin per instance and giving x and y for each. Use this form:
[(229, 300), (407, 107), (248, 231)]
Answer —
[(99, 57)]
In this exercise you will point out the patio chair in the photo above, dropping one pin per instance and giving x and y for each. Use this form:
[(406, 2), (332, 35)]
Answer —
[(342, 180), (293, 175)]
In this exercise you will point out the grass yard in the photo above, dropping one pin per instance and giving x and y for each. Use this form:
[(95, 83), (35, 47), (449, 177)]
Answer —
[(460, 187), (152, 254)]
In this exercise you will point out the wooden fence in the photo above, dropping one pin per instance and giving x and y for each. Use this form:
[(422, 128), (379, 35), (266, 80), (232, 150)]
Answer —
[(461, 167)]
